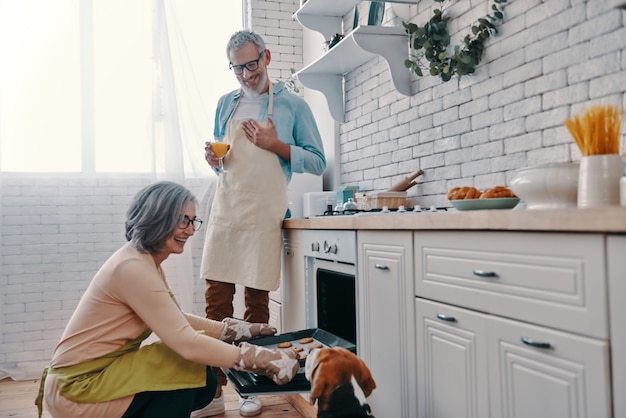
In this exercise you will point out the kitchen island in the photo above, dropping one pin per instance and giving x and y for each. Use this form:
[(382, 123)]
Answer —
[(491, 313)]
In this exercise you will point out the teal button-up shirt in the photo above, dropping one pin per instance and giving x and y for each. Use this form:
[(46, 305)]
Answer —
[(295, 126)]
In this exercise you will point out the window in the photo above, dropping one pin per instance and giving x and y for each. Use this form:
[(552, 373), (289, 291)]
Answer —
[(89, 86)]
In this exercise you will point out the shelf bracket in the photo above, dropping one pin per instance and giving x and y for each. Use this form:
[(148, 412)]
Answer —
[(360, 46)]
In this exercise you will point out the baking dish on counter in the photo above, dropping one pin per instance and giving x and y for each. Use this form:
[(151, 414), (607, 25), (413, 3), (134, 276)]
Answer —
[(248, 383)]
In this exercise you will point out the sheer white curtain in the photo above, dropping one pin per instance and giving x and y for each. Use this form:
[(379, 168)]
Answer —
[(114, 87)]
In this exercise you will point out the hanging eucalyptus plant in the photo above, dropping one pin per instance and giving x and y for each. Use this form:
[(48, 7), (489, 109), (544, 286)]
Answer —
[(431, 42)]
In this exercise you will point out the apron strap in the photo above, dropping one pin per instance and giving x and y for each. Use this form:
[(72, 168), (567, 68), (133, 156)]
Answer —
[(270, 103)]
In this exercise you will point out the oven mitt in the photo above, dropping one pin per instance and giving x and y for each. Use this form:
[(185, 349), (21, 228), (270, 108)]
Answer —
[(236, 330), (278, 364)]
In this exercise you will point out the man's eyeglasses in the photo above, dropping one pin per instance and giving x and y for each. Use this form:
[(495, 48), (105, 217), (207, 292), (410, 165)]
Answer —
[(185, 221), (250, 65)]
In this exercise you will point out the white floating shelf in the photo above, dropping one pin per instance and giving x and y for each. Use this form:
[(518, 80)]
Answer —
[(360, 46), (325, 16)]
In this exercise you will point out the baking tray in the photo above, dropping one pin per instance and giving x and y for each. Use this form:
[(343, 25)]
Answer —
[(247, 383)]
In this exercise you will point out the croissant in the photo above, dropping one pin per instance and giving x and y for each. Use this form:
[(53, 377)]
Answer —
[(497, 192), (467, 192)]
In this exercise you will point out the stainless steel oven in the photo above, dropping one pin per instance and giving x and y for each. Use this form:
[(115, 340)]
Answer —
[(330, 282)]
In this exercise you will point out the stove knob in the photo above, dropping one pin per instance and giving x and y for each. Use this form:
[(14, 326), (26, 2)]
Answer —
[(315, 246), (330, 248)]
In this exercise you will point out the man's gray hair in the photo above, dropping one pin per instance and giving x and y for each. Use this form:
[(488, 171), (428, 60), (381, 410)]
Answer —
[(154, 214), (240, 38)]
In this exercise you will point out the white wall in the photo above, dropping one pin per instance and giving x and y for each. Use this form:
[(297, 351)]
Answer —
[(56, 233), (549, 59)]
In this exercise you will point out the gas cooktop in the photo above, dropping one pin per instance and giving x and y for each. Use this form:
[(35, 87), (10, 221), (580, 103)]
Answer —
[(383, 211)]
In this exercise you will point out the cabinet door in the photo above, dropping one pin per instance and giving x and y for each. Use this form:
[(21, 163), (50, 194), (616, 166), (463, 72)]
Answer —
[(617, 297), (386, 339), (452, 362), (292, 282), (552, 374)]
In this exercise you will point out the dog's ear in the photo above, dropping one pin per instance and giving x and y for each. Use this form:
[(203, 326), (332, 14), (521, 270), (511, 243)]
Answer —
[(317, 384), (365, 379)]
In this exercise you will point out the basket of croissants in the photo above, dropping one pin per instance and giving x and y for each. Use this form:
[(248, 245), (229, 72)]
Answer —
[(468, 198)]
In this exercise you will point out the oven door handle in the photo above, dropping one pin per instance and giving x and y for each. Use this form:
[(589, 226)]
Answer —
[(381, 266)]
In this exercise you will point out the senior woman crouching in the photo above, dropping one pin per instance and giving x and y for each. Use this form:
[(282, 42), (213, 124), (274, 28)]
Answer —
[(99, 369)]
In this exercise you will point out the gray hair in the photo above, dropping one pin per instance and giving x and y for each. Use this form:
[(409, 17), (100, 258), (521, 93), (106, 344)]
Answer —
[(154, 213), (240, 38)]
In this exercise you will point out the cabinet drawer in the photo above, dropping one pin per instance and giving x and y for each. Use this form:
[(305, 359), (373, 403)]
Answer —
[(552, 279)]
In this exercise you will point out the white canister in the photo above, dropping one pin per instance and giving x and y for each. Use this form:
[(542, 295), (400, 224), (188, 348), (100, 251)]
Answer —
[(622, 190), (599, 180)]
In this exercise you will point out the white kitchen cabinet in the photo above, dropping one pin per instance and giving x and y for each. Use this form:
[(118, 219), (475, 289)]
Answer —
[(528, 309), (293, 307), (537, 371), (616, 249), (358, 47), (386, 339), (467, 360), (451, 362)]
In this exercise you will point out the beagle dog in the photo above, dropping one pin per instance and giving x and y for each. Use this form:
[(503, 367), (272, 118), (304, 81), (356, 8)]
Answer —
[(340, 383)]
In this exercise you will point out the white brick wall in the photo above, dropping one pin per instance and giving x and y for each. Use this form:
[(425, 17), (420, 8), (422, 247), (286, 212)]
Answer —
[(282, 34), (549, 60), (56, 233)]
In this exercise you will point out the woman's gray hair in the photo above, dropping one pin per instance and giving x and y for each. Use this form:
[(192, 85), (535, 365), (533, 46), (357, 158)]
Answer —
[(154, 213), (240, 38)]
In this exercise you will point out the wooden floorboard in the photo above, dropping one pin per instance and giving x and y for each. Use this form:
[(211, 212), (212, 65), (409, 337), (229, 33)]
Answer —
[(17, 401)]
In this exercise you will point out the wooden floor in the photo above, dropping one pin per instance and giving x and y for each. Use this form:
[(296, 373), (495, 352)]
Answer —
[(17, 400)]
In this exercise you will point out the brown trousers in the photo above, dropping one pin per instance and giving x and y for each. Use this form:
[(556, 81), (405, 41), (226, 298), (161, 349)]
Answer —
[(219, 305)]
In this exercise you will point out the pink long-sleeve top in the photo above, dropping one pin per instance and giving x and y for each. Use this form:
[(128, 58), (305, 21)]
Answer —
[(128, 295)]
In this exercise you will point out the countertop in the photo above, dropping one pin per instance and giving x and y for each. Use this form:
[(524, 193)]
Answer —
[(607, 219)]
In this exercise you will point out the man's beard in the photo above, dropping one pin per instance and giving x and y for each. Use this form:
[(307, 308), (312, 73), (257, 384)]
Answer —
[(255, 92)]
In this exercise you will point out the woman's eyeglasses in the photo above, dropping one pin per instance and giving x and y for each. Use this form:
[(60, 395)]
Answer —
[(185, 221), (250, 65)]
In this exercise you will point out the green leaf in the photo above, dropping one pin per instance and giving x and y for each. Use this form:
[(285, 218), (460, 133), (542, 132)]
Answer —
[(433, 44)]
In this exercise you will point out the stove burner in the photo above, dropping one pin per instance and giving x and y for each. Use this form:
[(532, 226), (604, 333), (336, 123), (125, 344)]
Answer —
[(348, 212), (342, 212)]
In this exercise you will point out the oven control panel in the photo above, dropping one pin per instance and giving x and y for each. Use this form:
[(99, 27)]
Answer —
[(330, 245)]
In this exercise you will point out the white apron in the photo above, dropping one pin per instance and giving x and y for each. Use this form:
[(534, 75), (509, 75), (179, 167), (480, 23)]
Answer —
[(243, 242)]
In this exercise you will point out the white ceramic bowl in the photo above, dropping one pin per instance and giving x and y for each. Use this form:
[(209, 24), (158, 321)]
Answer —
[(548, 186)]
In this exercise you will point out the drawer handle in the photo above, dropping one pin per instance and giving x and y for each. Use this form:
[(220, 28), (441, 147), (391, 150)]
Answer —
[(483, 273), (537, 344), (381, 267), (445, 317)]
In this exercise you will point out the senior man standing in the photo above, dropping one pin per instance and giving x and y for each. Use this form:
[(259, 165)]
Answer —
[(271, 134)]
